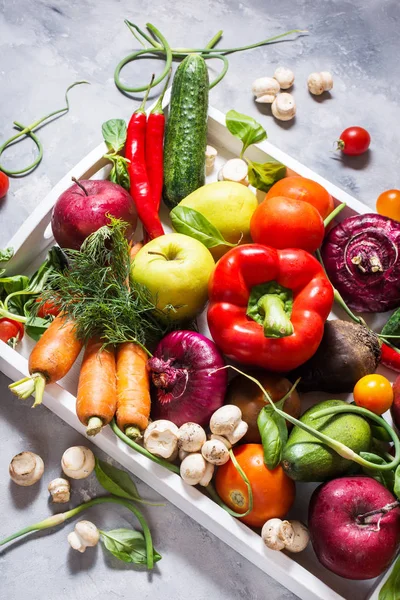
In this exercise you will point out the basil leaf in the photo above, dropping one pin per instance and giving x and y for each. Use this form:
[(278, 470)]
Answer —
[(127, 545), (114, 134), (115, 481), (119, 172), (274, 434), (386, 478), (263, 176), (192, 223), (245, 128), (6, 254), (391, 589)]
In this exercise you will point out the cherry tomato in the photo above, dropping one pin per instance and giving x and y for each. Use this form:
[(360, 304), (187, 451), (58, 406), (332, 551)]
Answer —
[(11, 331), (47, 309), (273, 491), (4, 184), (374, 392), (354, 141), (301, 188), (388, 204), (285, 223)]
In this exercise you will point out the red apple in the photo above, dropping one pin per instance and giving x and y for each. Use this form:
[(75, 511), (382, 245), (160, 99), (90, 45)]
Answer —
[(82, 209), (341, 543)]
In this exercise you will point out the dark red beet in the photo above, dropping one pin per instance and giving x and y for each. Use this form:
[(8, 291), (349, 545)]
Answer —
[(361, 257)]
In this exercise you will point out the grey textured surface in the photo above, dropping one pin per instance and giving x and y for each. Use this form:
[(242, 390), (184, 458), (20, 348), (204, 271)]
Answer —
[(45, 46)]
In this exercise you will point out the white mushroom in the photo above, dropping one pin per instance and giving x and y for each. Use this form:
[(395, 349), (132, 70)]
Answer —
[(318, 83), (26, 468), (215, 452), (285, 77), (284, 107), (191, 437), (78, 462), (85, 535), (238, 433), (224, 440), (265, 89), (225, 420), (196, 471), (182, 454), (211, 155), (285, 535), (60, 490), (235, 170), (161, 438)]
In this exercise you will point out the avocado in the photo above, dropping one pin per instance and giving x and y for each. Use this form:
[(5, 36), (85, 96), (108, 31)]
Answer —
[(305, 458)]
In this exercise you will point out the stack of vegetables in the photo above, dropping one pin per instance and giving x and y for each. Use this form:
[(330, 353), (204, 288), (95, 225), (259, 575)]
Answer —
[(279, 269)]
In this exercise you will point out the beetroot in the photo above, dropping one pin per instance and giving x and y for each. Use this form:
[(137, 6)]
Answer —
[(361, 258)]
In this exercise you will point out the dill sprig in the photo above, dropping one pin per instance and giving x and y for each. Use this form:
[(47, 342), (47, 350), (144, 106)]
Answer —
[(96, 293)]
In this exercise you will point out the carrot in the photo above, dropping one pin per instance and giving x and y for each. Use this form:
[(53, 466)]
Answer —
[(50, 360), (133, 389), (96, 399), (134, 250)]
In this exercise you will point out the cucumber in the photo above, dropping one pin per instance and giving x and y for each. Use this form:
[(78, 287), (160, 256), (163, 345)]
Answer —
[(186, 131), (392, 327)]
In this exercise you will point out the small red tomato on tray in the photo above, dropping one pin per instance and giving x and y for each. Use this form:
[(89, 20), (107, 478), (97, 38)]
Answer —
[(11, 332), (354, 141), (47, 309)]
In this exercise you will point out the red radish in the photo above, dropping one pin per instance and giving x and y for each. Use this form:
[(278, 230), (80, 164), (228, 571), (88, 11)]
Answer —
[(83, 209), (345, 544), (187, 387)]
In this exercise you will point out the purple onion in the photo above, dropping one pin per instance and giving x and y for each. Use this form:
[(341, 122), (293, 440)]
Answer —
[(361, 258), (186, 388)]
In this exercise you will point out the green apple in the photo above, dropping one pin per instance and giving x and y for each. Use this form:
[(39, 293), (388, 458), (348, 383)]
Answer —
[(176, 269), (229, 206)]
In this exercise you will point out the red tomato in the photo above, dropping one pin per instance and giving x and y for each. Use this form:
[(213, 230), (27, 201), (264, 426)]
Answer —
[(47, 309), (11, 331), (301, 188), (273, 491), (284, 223), (354, 141), (388, 204), (4, 184)]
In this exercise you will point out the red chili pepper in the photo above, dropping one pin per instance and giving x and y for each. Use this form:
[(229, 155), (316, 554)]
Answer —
[(390, 357), (140, 186)]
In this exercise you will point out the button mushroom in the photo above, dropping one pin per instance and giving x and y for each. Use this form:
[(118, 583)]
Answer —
[(78, 462), (285, 77), (318, 83), (227, 422), (265, 89), (235, 170), (191, 437), (211, 155), (284, 107), (60, 490), (85, 535), (215, 452), (195, 470), (161, 438), (285, 535), (26, 468)]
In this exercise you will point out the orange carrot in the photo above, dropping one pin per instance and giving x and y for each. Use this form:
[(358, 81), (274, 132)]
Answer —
[(135, 249), (96, 400), (50, 360), (133, 389)]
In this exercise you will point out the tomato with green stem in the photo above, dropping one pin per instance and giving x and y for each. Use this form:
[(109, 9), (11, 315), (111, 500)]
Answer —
[(11, 332), (373, 392), (354, 141)]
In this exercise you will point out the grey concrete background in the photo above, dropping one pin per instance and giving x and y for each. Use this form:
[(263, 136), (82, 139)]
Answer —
[(45, 46)]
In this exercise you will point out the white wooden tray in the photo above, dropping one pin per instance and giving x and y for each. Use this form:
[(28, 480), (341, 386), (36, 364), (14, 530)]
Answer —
[(301, 574)]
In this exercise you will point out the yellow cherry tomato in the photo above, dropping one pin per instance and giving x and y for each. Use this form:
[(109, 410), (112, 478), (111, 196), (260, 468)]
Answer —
[(388, 204), (374, 392)]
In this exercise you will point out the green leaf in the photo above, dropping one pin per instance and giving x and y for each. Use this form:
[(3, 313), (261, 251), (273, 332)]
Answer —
[(379, 432), (391, 589), (386, 478), (119, 172), (114, 134), (245, 128), (396, 487), (274, 435), (115, 481), (6, 254), (263, 175), (192, 223), (127, 545)]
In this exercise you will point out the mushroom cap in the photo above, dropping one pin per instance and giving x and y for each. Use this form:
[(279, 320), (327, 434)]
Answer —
[(225, 419), (193, 468), (26, 468), (284, 107), (57, 483), (215, 452), (285, 77), (300, 538), (88, 532), (271, 534), (78, 462), (237, 434), (191, 437), (265, 86), (161, 438)]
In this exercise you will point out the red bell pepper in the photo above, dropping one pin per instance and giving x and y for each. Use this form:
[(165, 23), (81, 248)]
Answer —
[(268, 307), (390, 357)]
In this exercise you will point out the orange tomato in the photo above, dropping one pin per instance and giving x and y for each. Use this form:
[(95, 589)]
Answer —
[(273, 491), (301, 188), (374, 392), (286, 223), (388, 204)]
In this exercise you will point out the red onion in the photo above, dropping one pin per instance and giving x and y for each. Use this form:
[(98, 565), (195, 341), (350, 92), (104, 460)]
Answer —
[(185, 386)]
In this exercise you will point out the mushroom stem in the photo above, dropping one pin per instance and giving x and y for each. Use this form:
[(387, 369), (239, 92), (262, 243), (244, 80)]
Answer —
[(94, 426)]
